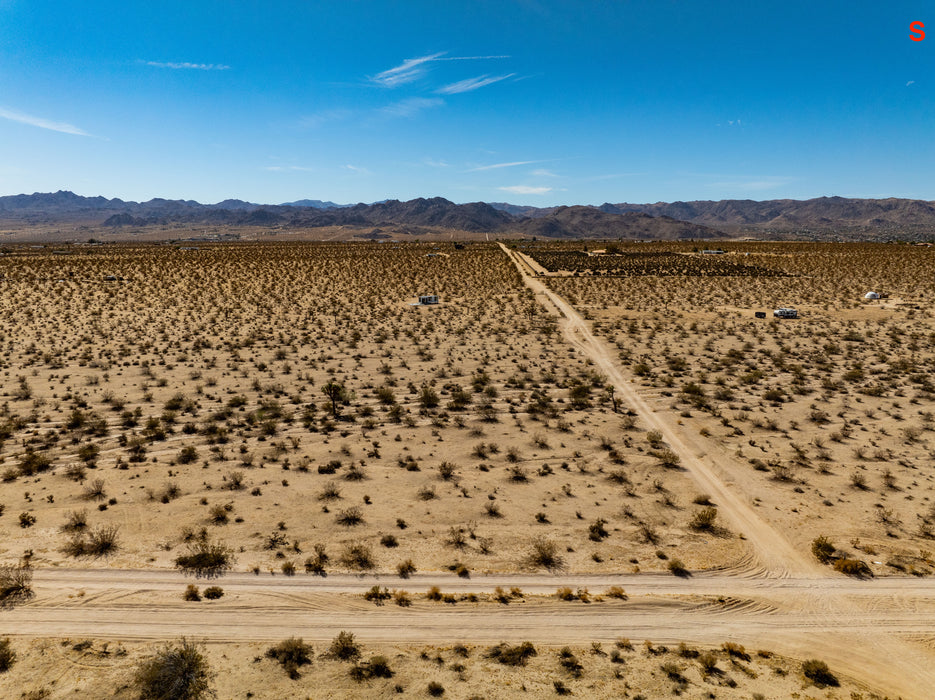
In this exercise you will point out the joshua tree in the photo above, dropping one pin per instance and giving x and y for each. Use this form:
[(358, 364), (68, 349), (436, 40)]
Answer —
[(336, 393)]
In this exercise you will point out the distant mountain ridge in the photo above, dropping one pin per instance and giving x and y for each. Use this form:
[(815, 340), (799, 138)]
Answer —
[(776, 214), (820, 217)]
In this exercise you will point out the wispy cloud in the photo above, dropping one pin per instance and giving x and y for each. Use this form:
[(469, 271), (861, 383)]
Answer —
[(328, 115), (412, 69), (503, 165), (910, 83), (185, 65), (525, 189), (470, 84), (406, 72), (432, 163), (542, 172), (357, 169), (41, 123), (411, 106)]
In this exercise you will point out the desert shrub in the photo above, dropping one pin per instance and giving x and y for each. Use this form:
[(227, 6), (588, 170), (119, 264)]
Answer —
[(350, 517), (7, 655), (100, 541), (378, 595), (434, 594), (32, 463), (708, 662), (88, 452), (206, 558), (853, 567), (703, 520), (292, 654), (428, 398), (435, 689), (288, 568), (191, 593), (213, 592), (175, 673), (26, 519), (316, 564), (357, 556), (678, 568), (823, 549), (819, 673), (405, 568), (344, 647), (389, 541), (512, 655), (561, 688), (597, 531), (616, 592), (15, 584), (234, 481), (330, 492), (569, 662), (379, 667), (735, 651), (446, 470), (75, 521), (544, 554), (94, 491)]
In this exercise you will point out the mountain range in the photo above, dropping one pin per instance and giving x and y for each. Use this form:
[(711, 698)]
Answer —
[(813, 218)]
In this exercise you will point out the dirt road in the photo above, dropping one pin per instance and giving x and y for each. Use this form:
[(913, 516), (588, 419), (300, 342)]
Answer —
[(797, 616), (878, 648)]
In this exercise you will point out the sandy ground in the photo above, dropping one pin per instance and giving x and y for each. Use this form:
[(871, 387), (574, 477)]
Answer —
[(764, 590)]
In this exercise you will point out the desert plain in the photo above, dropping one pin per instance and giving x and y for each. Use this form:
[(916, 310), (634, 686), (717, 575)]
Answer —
[(596, 449)]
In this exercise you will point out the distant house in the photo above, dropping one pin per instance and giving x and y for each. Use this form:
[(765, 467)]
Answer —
[(871, 295), (712, 252), (425, 299), (785, 313)]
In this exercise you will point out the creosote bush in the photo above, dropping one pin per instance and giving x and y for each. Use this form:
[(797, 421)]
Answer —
[(175, 672), (15, 584), (344, 647), (7, 655), (819, 673), (544, 554), (516, 655), (205, 558), (292, 654)]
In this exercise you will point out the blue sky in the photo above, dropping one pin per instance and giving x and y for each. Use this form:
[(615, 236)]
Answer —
[(531, 101)]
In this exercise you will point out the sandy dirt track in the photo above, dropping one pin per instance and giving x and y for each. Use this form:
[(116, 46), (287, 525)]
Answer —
[(872, 654)]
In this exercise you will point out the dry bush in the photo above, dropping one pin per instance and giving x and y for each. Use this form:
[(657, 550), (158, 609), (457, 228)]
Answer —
[(344, 647), (15, 584), (206, 558), (7, 655), (291, 654), (517, 655), (175, 672), (357, 556), (544, 554)]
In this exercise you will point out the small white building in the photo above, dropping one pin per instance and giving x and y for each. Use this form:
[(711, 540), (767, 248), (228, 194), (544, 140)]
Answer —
[(428, 299), (785, 313), (871, 295)]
